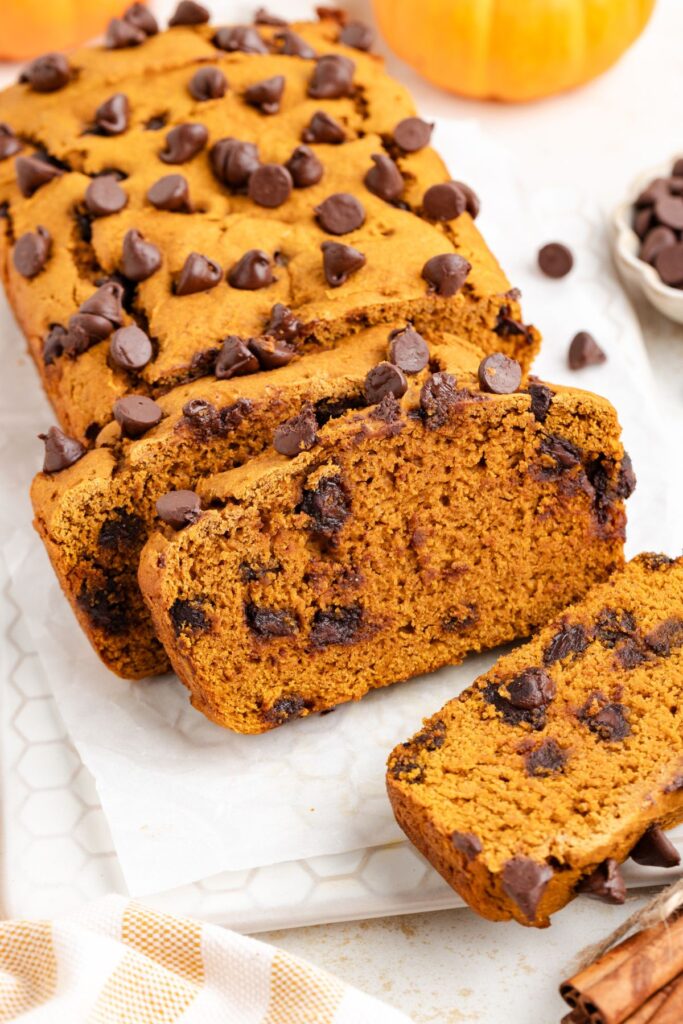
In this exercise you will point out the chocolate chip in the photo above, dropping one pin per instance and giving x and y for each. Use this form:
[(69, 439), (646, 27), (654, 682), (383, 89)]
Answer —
[(444, 202), (384, 179), (235, 359), (336, 625), (283, 324), (292, 45), (499, 374), (541, 400), (612, 626), (199, 274), (446, 274), (136, 414), (207, 84), (130, 348), (233, 161), (668, 264), (266, 95), (564, 454), (655, 240), (547, 759), (239, 39), (263, 17), (569, 640), (156, 123), (643, 221), (610, 723), (412, 134), (304, 167), (270, 622), (184, 142), (285, 709), (467, 844), (171, 193), (9, 143), (533, 688), (408, 350), (665, 637), (61, 451), (298, 434), (328, 506), (384, 379), (332, 77), (271, 353), (472, 204), (188, 616), (140, 258), (85, 330), (189, 13), (357, 35), (104, 196), (32, 252), (33, 173), (339, 262), (122, 529), (140, 15), (630, 654), (555, 260), (112, 117), (525, 881), (606, 883), (657, 188), (323, 128), (340, 213), (121, 34), (54, 344), (47, 73), (584, 351), (655, 850), (179, 508), (669, 212), (270, 185), (253, 270), (438, 395)]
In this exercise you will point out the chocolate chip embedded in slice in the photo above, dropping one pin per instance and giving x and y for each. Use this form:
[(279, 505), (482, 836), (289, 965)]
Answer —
[(207, 84), (445, 201), (525, 881), (446, 274), (184, 142), (136, 414), (171, 193), (610, 723), (541, 400), (555, 259), (252, 271), (668, 264), (179, 508), (268, 623), (412, 134), (112, 117), (340, 213), (323, 128), (189, 13), (33, 173), (54, 344), (32, 251), (272, 353), (104, 196), (199, 274), (340, 262), (666, 637), (130, 348), (654, 849), (328, 506), (568, 640), (285, 709), (292, 45), (384, 179), (654, 241), (357, 35), (547, 759), (437, 397), (188, 615), (408, 350), (283, 324), (122, 34), (266, 95), (499, 374), (467, 844), (139, 14), (47, 73), (336, 625), (605, 883), (235, 359), (584, 351), (9, 143), (232, 161), (270, 185), (531, 689), (298, 434), (140, 258), (332, 77), (384, 379), (61, 451), (304, 167), (239, 39)]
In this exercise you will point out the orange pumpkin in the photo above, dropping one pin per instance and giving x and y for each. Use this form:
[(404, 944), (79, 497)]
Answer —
[(31, 27), (511, 49)]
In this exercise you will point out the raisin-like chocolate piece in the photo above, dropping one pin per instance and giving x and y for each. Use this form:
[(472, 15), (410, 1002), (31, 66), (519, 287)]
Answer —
[(336, 626), (610, 723), (547, 759), (569, 640), (267, 623), (665, 637), (188, 616)]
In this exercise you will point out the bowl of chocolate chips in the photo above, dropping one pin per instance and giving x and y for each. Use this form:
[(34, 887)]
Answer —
[(648, 237)]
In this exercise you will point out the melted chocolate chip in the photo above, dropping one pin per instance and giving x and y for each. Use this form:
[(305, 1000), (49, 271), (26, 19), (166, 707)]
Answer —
[(271, 353), (188, 616), (438, 396), (612, 626), (171, 193), (122, 529), (9, 143), (532, 689), (270, 185), (525, 881), (239, 39), (139, 14), (357, 35), (467, 844), (569, 640), (32, 251), (499, 374), (384, 179), (630, 654), (136, 414), (336, 626), (232, 161), (653, 562), (189, 13), (207, 84), (266, 95), (104, 196), (446, 274), (267, 623), (328, 506), (610, 723), (408, 350), (235, 359), (511, 715), (384, 379), (140, 258), (184, 142), (285, 709), (206, 421), (323, 128), (298, 434), (54, 344), (604, 883), (547, 759), (412, 134), (444, 202), (122, 34), (666, 637), (541, 400), (252, 271), (61, 451), (48, 73), (199, 274), (304, 167), (283, 324), (179, 508), (292, 45), (130, 349), (103, 601), (33, 173), (564, 454), (340, 213), (332, 77), (340, 262), (655, 850), (627, 478), (112, 117)]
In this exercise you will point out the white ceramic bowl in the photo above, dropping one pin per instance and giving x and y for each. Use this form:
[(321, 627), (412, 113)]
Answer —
[(668, 301)]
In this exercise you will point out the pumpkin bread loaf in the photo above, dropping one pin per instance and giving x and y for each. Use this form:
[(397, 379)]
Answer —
[(389, 542), (193, 184), (544, 775)]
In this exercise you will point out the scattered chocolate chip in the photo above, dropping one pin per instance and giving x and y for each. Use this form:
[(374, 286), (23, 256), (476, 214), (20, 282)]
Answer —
[(112, 117), (121, 34), (323, 128), (292, 45), (171, 193), (340, 213), (444, 202), (61, 451), (140, 15), (340, 262), (525, 881), (263, 17), (336, 625), (179, 508), (446, 274), (207, 84), (555, 259), (328, 506), (584, 351), (233, 161), (140, 258), (253, 270), (610, 723), (130, 348), (298, 434), (270, 185), (136, 414), (665, 637), (272, 353), (438, 395), (472, 204), (268, 623), (564, 454), (189, 13), (184, 142), (32, 251), (304, 167), (655, 850), (669, 264), (104, 196), (47, 73), (467, 844), (408, 350), (541, 400), (533, 688), (9, 143), (412, 134), (54, 344), (199, 274), (188, 616), (605, 883), (511, 715), (239, 39), (235, 359), (384, 179), (654, 241), (357, 35), (569, 640), (266, 95), (33, 173), (384, 379), (499, 374), (332, 77), (547, 759)]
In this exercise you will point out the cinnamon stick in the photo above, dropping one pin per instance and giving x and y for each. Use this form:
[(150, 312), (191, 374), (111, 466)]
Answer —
[(671, 1010), (645, 1015)]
